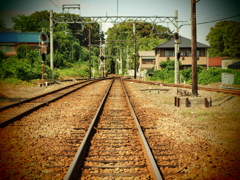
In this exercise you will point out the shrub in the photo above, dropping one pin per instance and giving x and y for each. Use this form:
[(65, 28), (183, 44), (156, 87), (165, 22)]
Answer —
[(186, 74), (213, 75), (164, 75), (22, 51)]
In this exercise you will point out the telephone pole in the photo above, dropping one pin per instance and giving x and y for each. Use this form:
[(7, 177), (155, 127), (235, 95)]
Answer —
[(51, 45), (176, 50), (135, 49), (89, 55), (194, 48)]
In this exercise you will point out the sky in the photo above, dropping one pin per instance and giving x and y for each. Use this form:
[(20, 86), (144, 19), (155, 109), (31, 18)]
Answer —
[(208, 11)]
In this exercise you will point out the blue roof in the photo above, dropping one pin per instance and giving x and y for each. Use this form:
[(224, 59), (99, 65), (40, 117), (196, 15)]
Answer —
[(8, 37), (19, 37)]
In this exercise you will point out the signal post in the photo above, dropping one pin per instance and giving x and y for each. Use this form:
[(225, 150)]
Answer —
[(43, 38)]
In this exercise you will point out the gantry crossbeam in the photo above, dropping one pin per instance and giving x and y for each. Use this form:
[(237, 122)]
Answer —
[(114, 19)]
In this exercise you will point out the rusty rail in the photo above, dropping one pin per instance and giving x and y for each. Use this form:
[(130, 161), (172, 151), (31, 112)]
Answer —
[(39, 105), (79, 157)]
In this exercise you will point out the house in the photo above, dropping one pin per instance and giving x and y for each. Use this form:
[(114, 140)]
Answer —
[(228, 61), (146, 60), (165, 51), (9, 41)]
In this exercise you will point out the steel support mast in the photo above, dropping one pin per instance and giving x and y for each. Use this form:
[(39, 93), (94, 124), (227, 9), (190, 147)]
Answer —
[(176, 50)]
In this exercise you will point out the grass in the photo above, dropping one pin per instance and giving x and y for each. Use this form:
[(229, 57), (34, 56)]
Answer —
[(17, 82)]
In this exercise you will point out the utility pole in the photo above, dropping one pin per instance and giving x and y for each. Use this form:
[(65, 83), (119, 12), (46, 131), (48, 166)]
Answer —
[(135, 53), (89, 49), (127, 64), (51, 45), (194, 48), (176, 50)]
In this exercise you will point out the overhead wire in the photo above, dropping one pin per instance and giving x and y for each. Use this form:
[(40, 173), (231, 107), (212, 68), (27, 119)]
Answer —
[(220, 10), (55, 5), (213, 20), (58, 2)]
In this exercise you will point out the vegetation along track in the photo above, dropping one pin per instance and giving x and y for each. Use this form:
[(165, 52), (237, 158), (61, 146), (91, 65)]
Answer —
[(118, 148), (12, 112)]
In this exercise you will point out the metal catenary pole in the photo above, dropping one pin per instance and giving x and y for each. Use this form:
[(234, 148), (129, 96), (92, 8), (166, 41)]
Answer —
[(51, 45), (135, 49), (176, 49)]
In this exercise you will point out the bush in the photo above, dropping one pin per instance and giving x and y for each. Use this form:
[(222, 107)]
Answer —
[(186, 74), (22, 51), (2, 56), (164, 75), (78, 69), (213, 75), (21, 69)]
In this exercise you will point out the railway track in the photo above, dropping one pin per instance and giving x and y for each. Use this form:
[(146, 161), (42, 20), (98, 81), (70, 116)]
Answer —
[(12, 112), (114, 146), (42, 144), (227, 91), (119, 149)]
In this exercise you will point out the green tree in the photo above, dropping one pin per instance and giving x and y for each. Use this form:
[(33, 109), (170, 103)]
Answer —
[(42, 19), (121, 45), (25, 23), (33, 23), (224, 39), (2, 24)]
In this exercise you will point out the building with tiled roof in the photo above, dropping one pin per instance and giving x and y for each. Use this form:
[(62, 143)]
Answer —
[(9, 41), (165, 51), (146, 60)]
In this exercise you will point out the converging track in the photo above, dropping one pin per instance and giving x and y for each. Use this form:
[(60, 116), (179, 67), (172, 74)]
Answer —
[(93, 133), (12, 112), (114, 145)]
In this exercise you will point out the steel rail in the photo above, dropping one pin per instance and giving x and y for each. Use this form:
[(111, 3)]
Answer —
[(20, 115), (148, 153), (36, 97), (228, 91), (79, 157)]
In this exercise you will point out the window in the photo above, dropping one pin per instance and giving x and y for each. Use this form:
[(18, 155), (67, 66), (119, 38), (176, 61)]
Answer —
[(198, 53), (147, 61), (7, 48), (169, 53)]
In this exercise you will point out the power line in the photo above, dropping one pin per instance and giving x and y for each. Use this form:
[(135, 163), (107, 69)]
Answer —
[(213, 20), (55, 5), (58, 2)]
